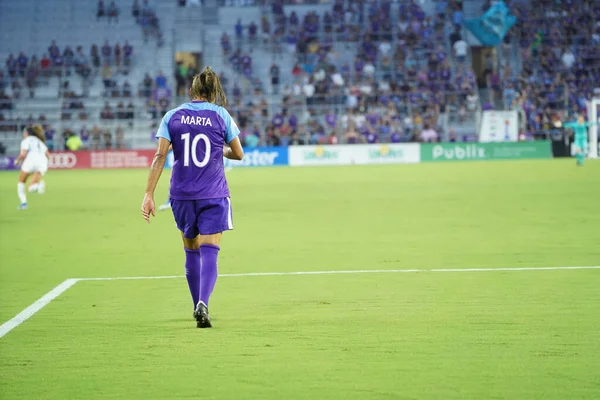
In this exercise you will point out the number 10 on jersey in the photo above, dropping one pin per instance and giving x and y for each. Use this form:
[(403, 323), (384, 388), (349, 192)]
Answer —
[(192, 147)]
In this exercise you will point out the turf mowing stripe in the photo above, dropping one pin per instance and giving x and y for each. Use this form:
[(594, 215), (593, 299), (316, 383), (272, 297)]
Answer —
[(359, 271), (35, 307)]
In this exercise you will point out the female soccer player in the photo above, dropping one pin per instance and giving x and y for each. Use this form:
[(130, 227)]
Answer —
[(580, 127), (201, 132), (34, 156)]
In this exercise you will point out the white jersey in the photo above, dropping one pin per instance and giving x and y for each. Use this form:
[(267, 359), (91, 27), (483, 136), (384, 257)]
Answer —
[(34, 146), (36, 160)]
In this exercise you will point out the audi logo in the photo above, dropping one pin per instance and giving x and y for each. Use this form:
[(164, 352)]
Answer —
[(62, 160)]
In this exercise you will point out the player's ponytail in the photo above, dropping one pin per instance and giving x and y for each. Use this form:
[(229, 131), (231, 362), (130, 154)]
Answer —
[(37, 131), (207, 85)]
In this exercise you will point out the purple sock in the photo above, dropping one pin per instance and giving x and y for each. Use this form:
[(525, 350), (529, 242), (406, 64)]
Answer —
[(192, 273), (208, 272)]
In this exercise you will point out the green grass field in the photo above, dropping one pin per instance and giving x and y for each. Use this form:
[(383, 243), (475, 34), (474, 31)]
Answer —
[(426, 335)]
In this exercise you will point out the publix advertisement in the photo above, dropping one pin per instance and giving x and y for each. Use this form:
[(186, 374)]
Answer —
[(354, 154), (485, 151)]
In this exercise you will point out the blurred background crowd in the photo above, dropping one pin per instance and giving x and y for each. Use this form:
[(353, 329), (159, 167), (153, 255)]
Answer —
[(296, 72)]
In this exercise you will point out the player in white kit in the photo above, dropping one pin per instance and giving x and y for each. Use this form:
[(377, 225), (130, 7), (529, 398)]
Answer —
[(34, 156)]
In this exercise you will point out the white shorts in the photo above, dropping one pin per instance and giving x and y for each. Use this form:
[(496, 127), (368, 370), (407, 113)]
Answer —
[(35, 164)]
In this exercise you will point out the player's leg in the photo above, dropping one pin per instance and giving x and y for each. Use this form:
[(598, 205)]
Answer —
[(184, 213), (34, 184), (21, 192), (215, 217), (580, 153), (208, 248)]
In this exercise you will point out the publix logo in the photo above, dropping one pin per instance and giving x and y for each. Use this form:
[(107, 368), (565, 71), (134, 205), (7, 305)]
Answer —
[(321, 153), (458, 152), (386, 152)]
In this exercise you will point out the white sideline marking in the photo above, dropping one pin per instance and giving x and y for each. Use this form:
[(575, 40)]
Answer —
[(35, 307), (57, 291), (358, 271)]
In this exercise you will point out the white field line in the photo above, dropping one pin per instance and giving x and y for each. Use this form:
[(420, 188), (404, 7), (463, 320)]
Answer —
[(57, 291), (35, 307), (339, 272)]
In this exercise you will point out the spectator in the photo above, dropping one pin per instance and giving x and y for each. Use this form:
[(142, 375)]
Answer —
[(53, 50), (127, 55), (107, 139), (429, 134), (135, 9), (107, 76), (65, 111), (58, 64), (95, 56), (113, 12), (100, 10), (121, 113), (31, 77), (126, 92), (251, 141), (120, 137), (163, 106), (12, 66), (84, 135), (96, 135), (45, 65), (16, 89), (568, 59), (146, 86), (118, 56), (68, 56), (460, 50), (369, 70), (130, 111), (239, 30), (252, 29), (106, 52), (107, 112), (274, 72), (161, 80), (22, 62)]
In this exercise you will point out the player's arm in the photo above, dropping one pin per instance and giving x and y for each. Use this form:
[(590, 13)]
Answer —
[(234, 150), (156, 169), (21, 157), (48, 154)]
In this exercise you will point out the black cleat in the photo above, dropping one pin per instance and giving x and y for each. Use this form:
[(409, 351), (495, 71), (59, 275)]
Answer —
[(202, 317)]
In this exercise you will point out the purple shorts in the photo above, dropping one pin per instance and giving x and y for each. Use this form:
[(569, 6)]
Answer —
[(204, 217)]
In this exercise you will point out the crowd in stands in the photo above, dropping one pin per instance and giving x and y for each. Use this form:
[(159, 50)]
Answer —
[(157, 93), (559, 45), (29, 72), (97, 138), (402, 74), (363, 72), (143, 14)]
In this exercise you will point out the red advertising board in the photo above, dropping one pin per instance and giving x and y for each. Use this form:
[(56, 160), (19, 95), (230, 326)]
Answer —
[(101, 159)]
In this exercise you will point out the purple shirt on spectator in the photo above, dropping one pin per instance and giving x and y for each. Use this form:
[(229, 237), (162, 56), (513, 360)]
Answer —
[(371, 137), (277, 121), (331, 119), (22, 60), (127, 50), (293, 121)]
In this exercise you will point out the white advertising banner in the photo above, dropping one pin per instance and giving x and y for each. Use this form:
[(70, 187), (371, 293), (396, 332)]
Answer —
[(499, 126), (354, 154)]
